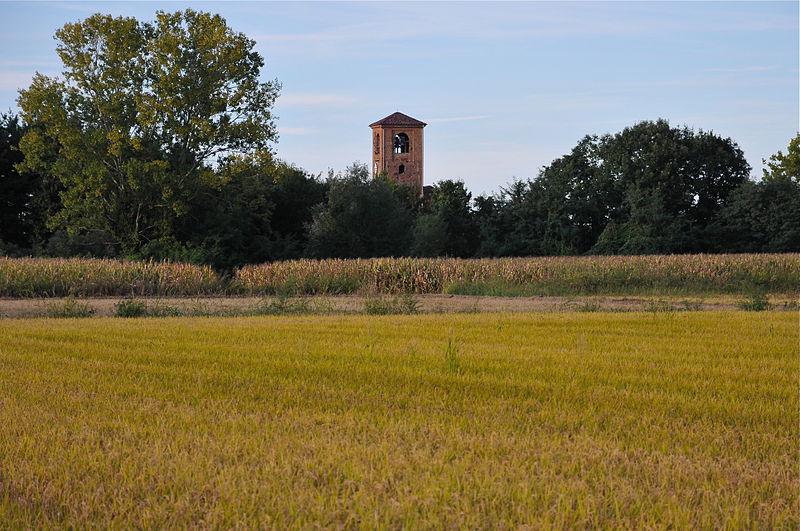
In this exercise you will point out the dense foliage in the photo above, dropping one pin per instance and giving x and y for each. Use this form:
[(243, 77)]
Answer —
[(143, 112), (156, 144)]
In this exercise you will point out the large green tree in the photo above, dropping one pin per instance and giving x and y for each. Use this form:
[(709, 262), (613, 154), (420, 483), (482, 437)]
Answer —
[(361, 218), (651, 188), (510, 222), (784, 166), (143, 113), (764, 216), (692, 172), (260, 213), (449, 227)]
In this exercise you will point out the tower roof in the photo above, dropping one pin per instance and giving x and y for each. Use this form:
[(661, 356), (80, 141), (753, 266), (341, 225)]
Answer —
[(399, 118)]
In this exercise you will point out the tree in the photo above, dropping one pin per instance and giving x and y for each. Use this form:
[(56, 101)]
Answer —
[(649, 188), (143, 113), (510, 223), (260, 213), (765, 216), (649, 228), (657, 185), (26, 198), (16, 190), (451, 203), (575, 199), (693, 172), (430, 236), (786, 167), (362, 218)]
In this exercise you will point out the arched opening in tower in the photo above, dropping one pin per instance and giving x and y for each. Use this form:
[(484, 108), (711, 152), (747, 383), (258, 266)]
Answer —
[(401, 143)]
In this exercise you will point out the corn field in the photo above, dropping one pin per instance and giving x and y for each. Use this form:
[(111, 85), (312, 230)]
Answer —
[(56, 277), (743, 273), (527, 276)]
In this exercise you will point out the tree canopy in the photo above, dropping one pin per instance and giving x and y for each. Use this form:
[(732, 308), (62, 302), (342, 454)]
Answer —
[(142, 114), (362, 217), (650, 188), (764, 216)]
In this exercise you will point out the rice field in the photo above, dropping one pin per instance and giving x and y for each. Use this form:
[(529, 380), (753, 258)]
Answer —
[(556, 420), (548, 276)]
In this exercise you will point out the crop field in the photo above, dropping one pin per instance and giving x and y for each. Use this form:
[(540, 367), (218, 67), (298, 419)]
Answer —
[(565, 420), (540, 276), (543, 276), (56, 277)]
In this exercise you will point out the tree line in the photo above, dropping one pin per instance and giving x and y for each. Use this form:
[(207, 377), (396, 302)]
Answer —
[(156, 143)]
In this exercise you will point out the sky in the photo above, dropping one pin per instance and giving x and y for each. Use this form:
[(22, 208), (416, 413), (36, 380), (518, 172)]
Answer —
[(505, 87)]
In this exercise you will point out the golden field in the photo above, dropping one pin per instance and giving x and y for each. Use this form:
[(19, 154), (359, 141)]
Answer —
[(565, 420)]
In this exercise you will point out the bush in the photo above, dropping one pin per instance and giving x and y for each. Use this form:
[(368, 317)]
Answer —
[(659, 306), (130, 308), (757, 302), (69, 308), (283, 305), (398, 305)]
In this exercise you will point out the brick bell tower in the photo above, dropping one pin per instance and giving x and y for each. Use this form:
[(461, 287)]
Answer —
[(397, 149)]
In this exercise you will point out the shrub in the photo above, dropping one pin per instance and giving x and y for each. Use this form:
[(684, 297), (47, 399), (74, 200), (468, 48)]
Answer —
[(659, 306), (69, 308), (130, 308), (758, 302), (385, 306), (283, 305)]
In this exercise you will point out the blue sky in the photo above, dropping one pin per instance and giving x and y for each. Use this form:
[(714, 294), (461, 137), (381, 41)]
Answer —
[(504, 87)]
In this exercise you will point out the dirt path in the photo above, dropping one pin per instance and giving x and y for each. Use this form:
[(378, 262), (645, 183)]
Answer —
[(356, 304)]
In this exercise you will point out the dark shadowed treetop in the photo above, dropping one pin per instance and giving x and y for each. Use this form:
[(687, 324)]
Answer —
[(15, 193), (362, 218)]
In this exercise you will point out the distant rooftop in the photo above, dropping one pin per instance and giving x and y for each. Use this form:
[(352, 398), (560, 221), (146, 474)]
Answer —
[(399, 118)]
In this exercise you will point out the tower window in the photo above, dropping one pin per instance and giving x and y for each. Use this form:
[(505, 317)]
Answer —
[(401, 169), (377, 143), (401, 143)]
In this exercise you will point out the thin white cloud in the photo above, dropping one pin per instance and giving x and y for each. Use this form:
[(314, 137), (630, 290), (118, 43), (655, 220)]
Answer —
[(315, 99), (457, 119), (743, 69), (305, 37), (28, 63), (86, 8), (387, 23), (298, 131), (15, 80), (575, 101)]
